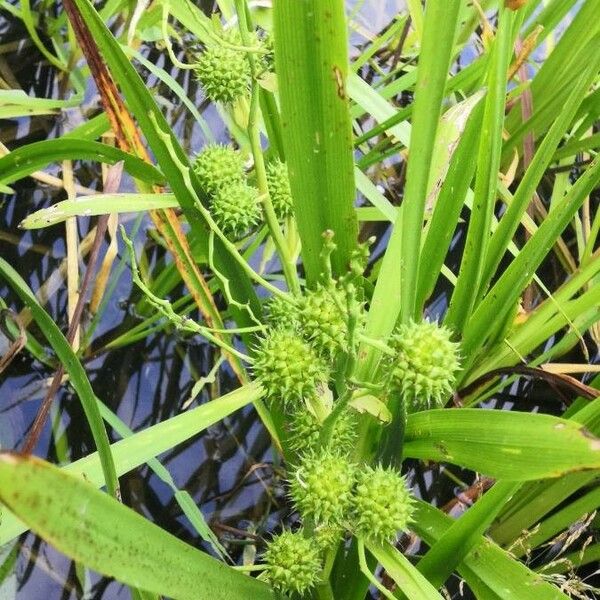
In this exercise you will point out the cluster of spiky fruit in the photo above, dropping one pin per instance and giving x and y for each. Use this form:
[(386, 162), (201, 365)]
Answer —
[(338, 496), (424, 368), (305, 429)]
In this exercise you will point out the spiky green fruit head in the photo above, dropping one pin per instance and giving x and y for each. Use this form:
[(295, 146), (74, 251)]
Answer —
[(236, 208), (381, 504), (323, 321), (282, 312), (293, 563), (327, 536), (219, 165), (321, 486), (424, 369), (287, 367), (305, 430), (224, 72), (280, 192)]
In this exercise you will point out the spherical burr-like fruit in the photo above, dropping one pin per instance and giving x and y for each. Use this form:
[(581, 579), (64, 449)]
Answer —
[(278, 182), (381, 504), (287, 367), (236, 208), (321, 487), (282, 312), (292, 563), (219, 165), (425, 366), (305, 430), (224, 72), (323, 319)]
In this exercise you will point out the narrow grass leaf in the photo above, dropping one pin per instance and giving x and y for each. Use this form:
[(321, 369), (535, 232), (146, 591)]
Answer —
[(29, 158), (505, 445)]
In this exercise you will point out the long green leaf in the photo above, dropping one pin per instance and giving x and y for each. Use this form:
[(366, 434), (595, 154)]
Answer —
[(412, 583), (488, 570), (72, 366), (486, 178), (25, 160), (98, 204), (504, 295), (96, 530), (143, 446), (505, 445), (311, 54), (447, 553)]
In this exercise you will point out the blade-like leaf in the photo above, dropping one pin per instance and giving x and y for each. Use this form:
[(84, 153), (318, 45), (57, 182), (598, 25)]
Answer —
[(311, 53), (501, 444), (96, 530), (412, 583), (27, 159)]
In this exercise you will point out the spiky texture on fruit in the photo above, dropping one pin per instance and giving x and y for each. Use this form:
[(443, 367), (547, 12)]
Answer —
[(225, 73), (381, 504), (282, 312), (219, 165), (305, 430), (322, 321), (287, 367), (326, 536), (279, 189), (293, 564), (236, 208), (424, 369), (321, 487)]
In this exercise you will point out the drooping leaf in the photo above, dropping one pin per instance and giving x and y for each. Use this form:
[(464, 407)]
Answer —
[(507, 445)]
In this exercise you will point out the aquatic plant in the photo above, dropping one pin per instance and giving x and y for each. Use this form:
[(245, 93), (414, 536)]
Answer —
[(463, 178)]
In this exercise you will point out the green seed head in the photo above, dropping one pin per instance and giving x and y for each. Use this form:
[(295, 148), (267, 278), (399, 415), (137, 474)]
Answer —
[(236, 208), (321, 487), (424, 370), (219, 165), (322, 321), (224, 72), (293, 564), (282, 312), (305, 430), (381, 504), (287, 367), (279, 189), (327, 536)]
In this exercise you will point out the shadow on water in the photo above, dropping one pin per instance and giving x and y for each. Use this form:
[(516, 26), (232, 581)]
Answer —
[(228, 469)]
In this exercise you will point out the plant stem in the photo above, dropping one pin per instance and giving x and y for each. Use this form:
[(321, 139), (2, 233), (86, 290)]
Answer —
[(289, 268)]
